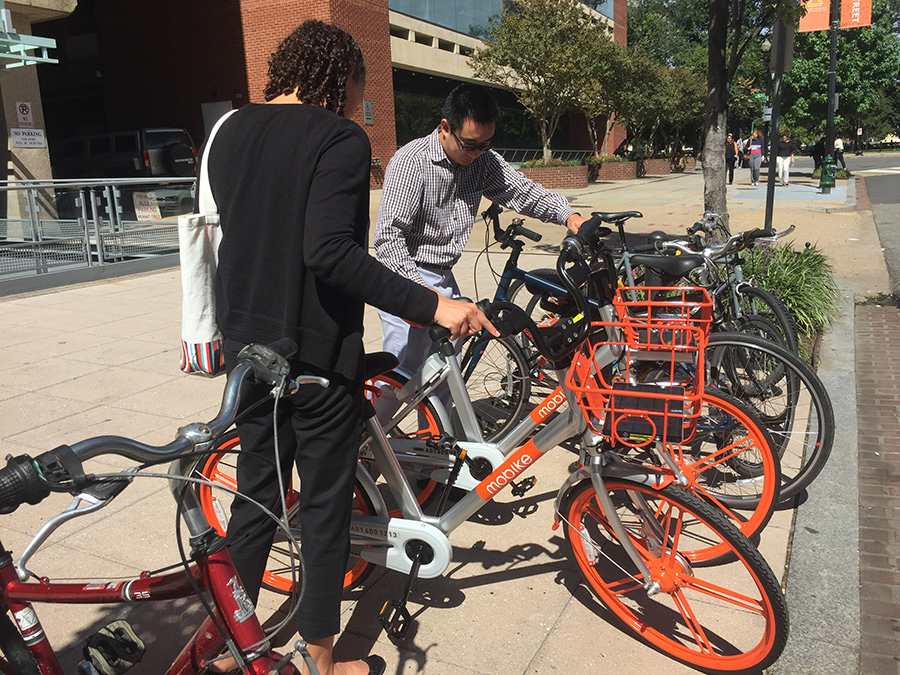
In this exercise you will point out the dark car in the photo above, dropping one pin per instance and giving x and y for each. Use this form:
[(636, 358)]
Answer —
[(127, 154)]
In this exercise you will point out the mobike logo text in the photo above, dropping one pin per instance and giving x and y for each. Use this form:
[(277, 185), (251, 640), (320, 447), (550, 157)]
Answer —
[(506, 472), (551, 403)]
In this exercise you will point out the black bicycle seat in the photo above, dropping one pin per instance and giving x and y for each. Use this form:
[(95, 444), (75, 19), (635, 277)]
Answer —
[(378, 363), (617, 216), (670, 265)]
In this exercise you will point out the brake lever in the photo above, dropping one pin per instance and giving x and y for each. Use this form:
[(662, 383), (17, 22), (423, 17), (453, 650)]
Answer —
[(96, 497)]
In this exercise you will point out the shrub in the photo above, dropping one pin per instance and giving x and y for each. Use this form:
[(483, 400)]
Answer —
[(603, 159), (802, 279), (540, 163), (840, 174)]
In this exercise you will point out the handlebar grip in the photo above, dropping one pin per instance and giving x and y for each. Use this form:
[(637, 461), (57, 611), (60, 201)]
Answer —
[(575, 242), (695, 228), (20, 483), (528, 234), (644, 248)]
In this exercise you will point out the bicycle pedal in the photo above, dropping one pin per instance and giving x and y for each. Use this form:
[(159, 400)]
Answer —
[(519, 489), (395, 618), (114, 649)]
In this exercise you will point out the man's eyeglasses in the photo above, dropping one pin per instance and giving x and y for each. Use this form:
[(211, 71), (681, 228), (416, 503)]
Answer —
[(465, 147)]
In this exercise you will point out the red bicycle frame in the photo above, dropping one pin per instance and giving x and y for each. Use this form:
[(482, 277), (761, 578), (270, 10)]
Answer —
[(214, 573)]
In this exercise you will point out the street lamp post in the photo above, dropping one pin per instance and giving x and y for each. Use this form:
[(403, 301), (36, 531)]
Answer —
[(766, 48)]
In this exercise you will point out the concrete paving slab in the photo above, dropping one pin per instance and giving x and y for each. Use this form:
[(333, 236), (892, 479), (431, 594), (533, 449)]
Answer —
[(517, 574)]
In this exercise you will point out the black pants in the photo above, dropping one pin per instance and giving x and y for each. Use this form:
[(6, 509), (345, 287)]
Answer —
[(839, 157), (729, 165), (319, 430)]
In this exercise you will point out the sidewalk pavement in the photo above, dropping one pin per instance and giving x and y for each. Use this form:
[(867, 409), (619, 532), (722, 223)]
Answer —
[(102, 358)]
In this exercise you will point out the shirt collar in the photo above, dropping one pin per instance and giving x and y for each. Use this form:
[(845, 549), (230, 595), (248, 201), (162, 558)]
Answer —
[(435, 150)]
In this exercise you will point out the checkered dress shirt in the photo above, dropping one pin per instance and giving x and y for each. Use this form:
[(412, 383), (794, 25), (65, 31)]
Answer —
[(429, 205)]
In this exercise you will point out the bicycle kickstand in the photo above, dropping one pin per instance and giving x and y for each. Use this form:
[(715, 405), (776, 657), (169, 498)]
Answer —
[(394, 616)]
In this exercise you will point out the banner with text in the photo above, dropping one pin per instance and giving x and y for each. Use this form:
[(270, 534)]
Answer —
[(817, 15), (856, 13)]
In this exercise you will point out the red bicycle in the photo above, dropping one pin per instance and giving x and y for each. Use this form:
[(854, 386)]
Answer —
[(231, 626)]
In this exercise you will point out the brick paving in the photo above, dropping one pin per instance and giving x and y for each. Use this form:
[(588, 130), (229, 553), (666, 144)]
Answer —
[(878, 400)]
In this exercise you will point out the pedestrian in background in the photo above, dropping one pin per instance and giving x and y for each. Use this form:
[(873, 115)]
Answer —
[(731, 155), (839, 152), (818, 152), (756, 149), (784, 158)]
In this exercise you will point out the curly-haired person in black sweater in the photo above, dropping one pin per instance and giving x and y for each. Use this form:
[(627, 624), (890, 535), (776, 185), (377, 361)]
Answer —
[(291, 180)]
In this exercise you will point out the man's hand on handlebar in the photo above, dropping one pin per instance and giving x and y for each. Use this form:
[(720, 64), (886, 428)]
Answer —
[(461, 318), (573, 222)]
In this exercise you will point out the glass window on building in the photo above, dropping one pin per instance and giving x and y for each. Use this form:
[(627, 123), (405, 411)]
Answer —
[(464, 16), (470, 17)]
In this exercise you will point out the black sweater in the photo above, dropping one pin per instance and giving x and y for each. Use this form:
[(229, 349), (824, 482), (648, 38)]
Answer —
[(291, 182)]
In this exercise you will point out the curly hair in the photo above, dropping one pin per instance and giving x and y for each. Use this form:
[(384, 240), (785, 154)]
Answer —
[(316, 60)]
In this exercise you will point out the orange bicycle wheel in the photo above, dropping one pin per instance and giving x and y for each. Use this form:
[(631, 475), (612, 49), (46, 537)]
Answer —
[(220, 469), (726, 619)]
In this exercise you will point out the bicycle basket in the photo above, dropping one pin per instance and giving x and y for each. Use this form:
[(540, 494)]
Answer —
[(659, 317), (645, 381)]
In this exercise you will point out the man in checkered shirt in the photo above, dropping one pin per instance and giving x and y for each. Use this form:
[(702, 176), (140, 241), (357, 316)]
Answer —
[(432, 190)]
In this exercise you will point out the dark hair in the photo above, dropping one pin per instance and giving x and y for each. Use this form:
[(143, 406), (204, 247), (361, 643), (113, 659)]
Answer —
[(470, 102), (316, 60)]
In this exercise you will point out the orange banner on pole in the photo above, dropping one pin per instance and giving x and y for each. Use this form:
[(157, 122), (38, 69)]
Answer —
[(856, 13), (817, 15)]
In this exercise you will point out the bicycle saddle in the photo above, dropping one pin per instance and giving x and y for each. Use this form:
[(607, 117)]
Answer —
[(617, 216), (378, 363), (669, 265)]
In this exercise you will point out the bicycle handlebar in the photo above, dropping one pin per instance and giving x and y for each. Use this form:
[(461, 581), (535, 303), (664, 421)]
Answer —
[(29, 480)]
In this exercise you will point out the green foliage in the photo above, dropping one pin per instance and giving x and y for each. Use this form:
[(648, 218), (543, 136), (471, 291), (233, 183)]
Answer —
[(604, 159), (535, 50), (840, 174), (802, 279), (554, 161), (868, 68)]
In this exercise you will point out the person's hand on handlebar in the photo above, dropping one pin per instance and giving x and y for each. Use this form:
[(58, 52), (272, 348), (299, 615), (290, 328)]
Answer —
[(573, 222), (461, 318)]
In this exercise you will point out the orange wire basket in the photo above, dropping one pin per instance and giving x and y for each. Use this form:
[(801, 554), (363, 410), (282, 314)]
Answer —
[(644, 382)]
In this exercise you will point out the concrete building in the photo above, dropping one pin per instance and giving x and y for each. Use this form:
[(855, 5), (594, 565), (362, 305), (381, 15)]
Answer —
[(165, 63)]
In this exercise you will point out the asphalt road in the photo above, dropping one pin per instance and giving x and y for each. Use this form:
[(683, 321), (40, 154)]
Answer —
[(882, 174)]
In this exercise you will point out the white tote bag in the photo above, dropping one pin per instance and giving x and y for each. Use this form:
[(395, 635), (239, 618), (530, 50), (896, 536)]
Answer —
[(199, 236)]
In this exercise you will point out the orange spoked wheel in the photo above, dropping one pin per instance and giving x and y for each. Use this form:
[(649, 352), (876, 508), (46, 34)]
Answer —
[(220, 469), (726, 619)]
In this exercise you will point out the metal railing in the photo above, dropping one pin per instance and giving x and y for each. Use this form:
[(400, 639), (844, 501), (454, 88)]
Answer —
[(49, 226)]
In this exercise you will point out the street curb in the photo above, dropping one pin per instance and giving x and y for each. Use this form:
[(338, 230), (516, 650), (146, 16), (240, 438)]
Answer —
[(850, 203), (822, 578)]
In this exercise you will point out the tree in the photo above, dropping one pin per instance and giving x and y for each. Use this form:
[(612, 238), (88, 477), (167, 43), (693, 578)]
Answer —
[(868, 70), (603, 73), (533, 50)]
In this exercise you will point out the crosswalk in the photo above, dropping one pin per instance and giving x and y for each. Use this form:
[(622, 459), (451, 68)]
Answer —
[(894, 170)]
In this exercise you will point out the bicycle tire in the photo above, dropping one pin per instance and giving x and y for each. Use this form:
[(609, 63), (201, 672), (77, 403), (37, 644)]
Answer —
[(220, 468), (730, 463), (788, 397), (686, 619), (17, 659), (498, 381), (754, 324), (759, 301)]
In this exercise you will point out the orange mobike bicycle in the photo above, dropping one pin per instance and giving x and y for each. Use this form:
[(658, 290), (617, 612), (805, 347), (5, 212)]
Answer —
[(642, 541), (231, 626)]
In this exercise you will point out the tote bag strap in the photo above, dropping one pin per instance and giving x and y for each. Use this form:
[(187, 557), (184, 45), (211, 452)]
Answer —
[(206, 201)]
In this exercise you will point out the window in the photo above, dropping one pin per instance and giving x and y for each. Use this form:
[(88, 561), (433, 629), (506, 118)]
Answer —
[(125, 143), (99, 146)]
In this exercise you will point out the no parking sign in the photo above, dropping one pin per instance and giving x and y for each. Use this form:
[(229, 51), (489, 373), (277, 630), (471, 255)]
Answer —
[(25, 114)]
